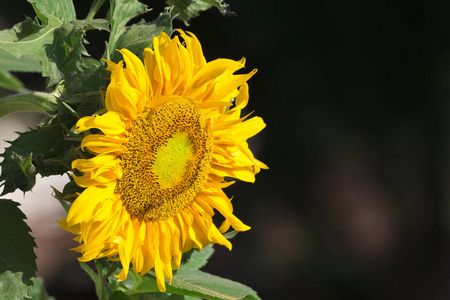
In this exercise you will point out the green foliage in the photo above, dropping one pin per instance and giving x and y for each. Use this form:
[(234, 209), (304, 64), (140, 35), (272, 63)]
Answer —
[(26, 63), (34, 101), (69, 55), (185, 10), (61, 9), (18, 171), (10, 82), (139, 36), (31, 38), (12, 286), (122, 11), (59, 47), (196, 259), (8, 63), (38, 291), (17, 258), (189, 282), (31, 153), (96, 4), (203, 285)]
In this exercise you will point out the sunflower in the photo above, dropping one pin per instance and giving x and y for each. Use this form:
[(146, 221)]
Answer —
[(172, 133)]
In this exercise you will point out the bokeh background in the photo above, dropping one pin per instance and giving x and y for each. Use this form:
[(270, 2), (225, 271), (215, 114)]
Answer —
[(356, 97)]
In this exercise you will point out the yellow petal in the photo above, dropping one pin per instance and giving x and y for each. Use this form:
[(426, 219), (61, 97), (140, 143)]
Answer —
[(226, 87), (83, 207), (214, 69), (153, 73), (110, 123), (100, 143), (123, 99), (136, 68), (247, 129), (194, 48), (220, 204), (239, 172), (242, 98), (244, 150), (101, 168), (225, 226), (75, 229), (218, 238), (111, 65)]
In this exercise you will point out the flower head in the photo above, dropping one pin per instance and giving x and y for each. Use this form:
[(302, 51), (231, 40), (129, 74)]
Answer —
[(172, 133)]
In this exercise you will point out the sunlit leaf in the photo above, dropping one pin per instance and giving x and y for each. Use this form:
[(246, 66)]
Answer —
[(68, 54), (27, 63), (198, 258), (59, 47), (193, 283), (31, 102), (122, 11), (203, 285), (139, 36), (61, 9), (188, 9), (12, 286), (30, 38)]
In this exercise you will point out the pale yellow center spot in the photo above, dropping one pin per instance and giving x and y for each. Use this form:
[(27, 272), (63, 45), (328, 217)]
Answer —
[(172, 159)]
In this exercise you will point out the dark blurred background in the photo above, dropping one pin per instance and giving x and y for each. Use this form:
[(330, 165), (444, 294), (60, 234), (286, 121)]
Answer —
[(355, 94)]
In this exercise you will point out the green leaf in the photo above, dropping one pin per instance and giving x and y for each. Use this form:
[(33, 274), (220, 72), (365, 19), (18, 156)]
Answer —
[(122, 11), (10, 82), (27, 168), (99, 24), (30, 38), (139, 36), (38, 292), (61, 9), (120, 295), (200, 284), (60, 49), (31, 102), (188, 9), (27, 63), (31, 153), (68, 53), (18, 172), (12, 286), (16, 245), (194, 283), (198, 258)]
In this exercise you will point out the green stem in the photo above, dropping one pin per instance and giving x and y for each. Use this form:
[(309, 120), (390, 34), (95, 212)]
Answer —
[(94, 8), (111, 270), (100, 284)]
